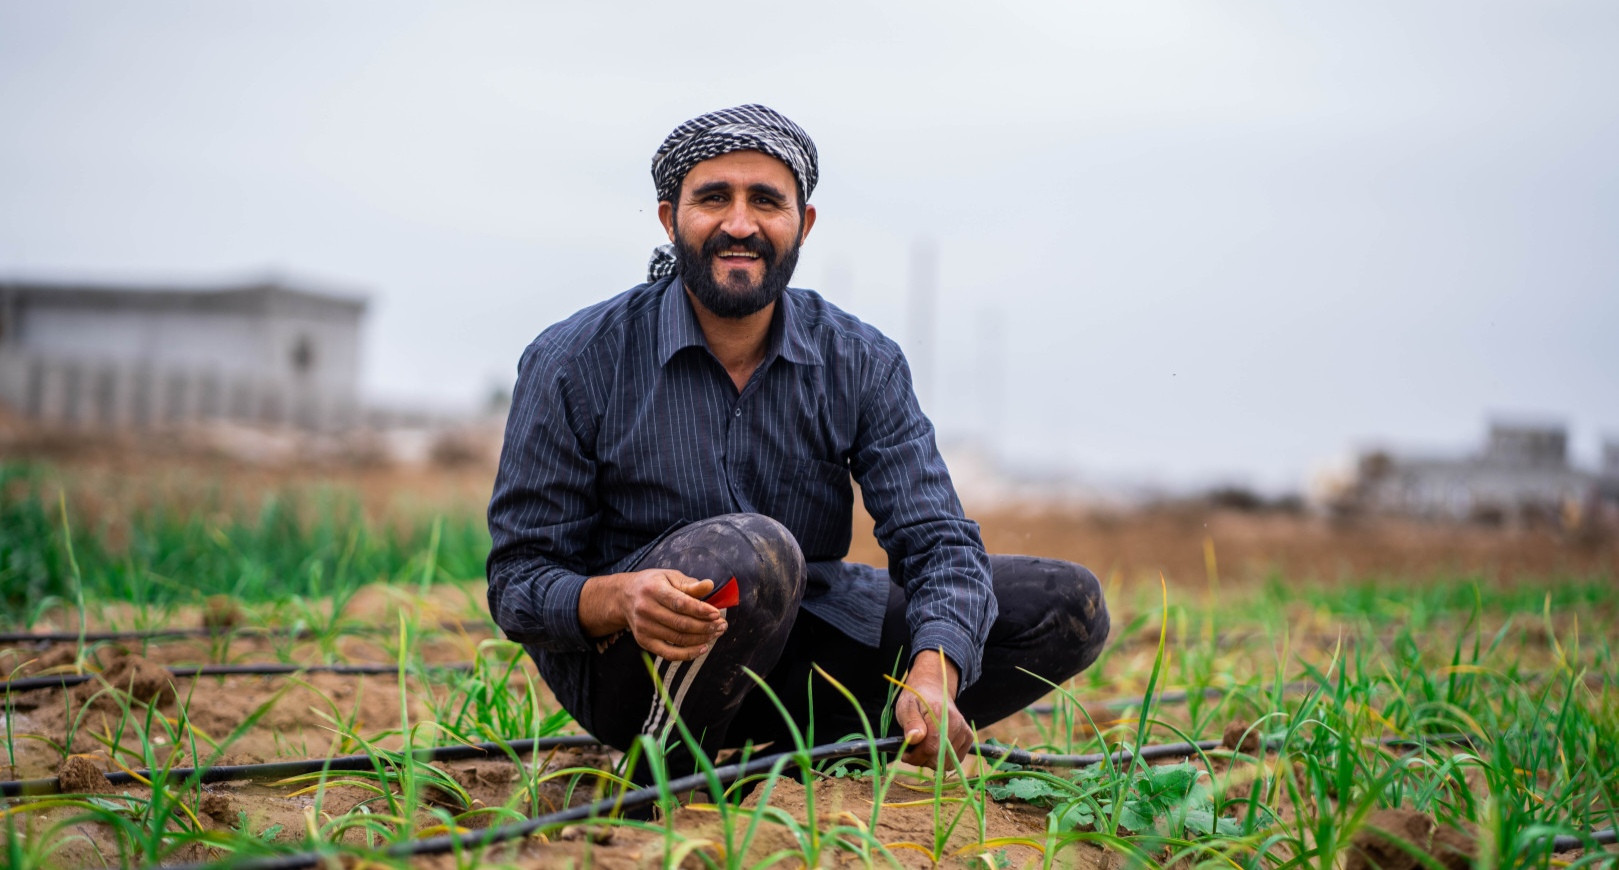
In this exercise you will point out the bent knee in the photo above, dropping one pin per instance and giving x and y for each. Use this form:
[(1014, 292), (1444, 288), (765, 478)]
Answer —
[(1078, 611), (758, 551), (1085, 610)]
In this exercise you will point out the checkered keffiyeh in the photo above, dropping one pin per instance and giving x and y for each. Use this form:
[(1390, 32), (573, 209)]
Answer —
[(744, 128)]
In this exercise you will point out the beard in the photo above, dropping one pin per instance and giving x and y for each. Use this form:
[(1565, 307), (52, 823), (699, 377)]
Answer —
[(736, 295)]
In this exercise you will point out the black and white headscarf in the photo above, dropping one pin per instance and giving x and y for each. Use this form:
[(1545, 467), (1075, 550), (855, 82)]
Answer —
[(744, 128)]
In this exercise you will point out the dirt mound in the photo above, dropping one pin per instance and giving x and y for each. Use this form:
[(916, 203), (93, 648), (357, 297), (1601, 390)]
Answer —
[(1383, 843), (79, 775), (57, 660), (1238, 737), (218, 807), (220, 614), (143, 680)]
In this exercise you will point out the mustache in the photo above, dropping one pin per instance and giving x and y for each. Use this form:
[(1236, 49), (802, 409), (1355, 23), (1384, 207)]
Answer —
[(754, 244)]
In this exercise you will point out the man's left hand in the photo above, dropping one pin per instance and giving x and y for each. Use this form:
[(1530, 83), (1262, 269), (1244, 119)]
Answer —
[(928, 699)]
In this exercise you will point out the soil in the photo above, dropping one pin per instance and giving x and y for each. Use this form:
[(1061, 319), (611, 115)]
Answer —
[(1389, 837), (79, 775), (1240, 736), (88, 725), (142, 680), (84, 720)]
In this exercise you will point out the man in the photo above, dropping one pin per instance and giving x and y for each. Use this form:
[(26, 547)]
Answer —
[(675, 487)]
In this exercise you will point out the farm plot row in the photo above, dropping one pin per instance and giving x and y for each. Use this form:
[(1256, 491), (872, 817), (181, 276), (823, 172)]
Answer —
[(1320, 738)]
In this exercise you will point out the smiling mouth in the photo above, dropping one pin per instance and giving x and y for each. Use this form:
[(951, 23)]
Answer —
[(737, 255)]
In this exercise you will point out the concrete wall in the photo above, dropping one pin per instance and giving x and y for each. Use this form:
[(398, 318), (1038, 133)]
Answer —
[(1458, 490), (231, 343), (103, 394), (264, 356)]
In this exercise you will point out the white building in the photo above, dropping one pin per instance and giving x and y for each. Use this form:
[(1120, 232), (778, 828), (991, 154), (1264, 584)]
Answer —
[(121, 356), (1523, 471)]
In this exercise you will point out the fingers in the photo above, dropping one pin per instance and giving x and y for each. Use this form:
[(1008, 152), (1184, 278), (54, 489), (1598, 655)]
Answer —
[(921, 738), (667, 621), (961, 737), (691, 587), (651, 613), (670, 652), (682, 594), (918, 722)]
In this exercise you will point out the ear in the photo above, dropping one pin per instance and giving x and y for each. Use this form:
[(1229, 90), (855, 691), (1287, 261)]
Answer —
[(666, 216), (809, 221)]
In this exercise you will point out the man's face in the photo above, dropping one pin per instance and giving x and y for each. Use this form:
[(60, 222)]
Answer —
[(736, 229)]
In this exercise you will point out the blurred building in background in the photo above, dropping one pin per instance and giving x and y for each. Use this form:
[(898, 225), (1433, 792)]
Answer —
[(143, 357), (1523, 474)]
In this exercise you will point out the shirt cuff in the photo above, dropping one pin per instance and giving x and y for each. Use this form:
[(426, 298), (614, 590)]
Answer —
[(560, 613), (960, 647)]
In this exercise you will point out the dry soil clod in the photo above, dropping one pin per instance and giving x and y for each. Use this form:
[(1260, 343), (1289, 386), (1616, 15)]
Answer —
[(79, 775), (1239, 738), (220, 614), (145, 681), (58, 660), (218, 807)]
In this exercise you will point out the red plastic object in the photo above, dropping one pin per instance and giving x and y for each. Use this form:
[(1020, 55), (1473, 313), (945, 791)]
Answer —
[(728, 595)]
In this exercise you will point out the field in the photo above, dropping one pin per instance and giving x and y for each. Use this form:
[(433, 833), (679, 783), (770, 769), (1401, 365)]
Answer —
[(1359, 693)]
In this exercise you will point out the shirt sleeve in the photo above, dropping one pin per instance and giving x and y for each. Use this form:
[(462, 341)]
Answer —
[(934, 551), (542, 510)]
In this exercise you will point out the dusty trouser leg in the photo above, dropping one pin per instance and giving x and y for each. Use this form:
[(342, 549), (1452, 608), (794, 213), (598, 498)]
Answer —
[(706, 691), (1053, 622)]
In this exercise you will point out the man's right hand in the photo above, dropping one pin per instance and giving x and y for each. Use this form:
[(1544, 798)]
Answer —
[(659, 606)]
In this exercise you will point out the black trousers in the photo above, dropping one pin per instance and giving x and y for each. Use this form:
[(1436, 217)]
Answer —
[(1052, 624)]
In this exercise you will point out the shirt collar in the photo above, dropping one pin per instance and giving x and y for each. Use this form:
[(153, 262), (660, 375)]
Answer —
[(678, 328), (794, 343), (677, 325)]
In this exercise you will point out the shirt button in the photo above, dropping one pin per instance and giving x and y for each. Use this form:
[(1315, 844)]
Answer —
[(739, 412)]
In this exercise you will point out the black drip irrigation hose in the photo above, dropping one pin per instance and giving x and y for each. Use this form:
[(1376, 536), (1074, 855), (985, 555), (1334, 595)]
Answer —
[(284, 769), (1161, 751), (1604, 837), (1182, 696), (730, 773), (458, 752), (629, 800), (28, 684), (643, 796), (1176, 697), (207, 631)]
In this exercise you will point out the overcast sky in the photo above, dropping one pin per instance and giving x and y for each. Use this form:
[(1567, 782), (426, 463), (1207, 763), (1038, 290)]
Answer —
[(1176, 242)]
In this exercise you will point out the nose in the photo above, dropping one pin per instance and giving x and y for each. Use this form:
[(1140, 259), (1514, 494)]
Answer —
[(739, 222)]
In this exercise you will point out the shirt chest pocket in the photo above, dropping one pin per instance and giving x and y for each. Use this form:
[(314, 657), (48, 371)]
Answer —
[(815, 501)]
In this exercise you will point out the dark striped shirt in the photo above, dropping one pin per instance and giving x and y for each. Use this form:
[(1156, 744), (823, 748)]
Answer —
[(623, 424)]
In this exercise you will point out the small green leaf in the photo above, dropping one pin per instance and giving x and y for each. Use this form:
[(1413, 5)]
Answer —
[(1028, 789), (1078, 815)]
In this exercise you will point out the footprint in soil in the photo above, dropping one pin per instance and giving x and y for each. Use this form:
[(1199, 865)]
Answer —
[(1374, 848)]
